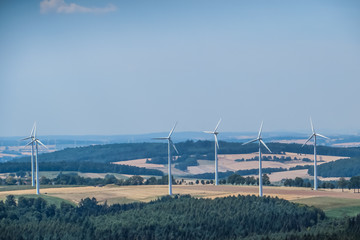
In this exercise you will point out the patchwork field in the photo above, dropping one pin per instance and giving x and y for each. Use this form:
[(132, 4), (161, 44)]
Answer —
[(227, 162), (334, 202)]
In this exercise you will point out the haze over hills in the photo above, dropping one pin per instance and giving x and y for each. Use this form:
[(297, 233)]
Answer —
[(63, 141)]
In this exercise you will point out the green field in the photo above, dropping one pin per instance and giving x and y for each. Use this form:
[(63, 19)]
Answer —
[(6, 188), (333, 207), (50, 199)]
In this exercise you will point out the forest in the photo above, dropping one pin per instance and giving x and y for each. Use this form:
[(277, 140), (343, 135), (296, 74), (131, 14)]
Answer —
[(177, 217), (341, 168), (79, 166)]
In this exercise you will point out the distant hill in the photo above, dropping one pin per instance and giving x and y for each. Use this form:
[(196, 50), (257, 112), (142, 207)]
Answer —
[(65, 141), (129, 151)]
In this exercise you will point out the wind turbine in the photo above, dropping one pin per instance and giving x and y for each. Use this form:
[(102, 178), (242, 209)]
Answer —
[(32, 137), (314, 135), (170, 143), (215, 132), (36, 141), (259, 139)]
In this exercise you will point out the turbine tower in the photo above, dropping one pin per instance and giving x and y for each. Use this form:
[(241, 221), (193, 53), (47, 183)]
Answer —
[(170, 143), (32, 137), (259, 139), (314, 135), (36, 141), (215, 132)]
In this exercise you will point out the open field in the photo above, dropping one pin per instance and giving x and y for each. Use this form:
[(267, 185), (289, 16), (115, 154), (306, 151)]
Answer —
[(334, 202), (278, 176), (28, 187), (50, 199), (333, 207), (348, 144)]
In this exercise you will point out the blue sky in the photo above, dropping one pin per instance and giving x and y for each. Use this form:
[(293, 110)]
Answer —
[(128, 67)]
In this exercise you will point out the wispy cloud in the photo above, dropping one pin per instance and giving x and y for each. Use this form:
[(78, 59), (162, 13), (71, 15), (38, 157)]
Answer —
[(60, 6)]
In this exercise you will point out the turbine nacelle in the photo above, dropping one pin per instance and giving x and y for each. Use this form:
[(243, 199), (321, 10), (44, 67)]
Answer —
[(32, 134), (37, 142), (169, 138), (314, 134), (259, 138), (215, 132)]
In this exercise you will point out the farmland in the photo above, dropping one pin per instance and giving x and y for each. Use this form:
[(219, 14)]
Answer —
[(230, 162), (333, 202)]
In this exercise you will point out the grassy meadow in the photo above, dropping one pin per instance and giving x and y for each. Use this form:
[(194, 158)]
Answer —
[(333, 207)]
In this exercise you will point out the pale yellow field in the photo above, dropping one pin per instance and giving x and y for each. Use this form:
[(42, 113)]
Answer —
[(25, 151), (298, 141), (124, 194), (278, 176), (350, 144)]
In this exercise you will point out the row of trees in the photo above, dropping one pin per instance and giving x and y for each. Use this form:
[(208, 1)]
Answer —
[(236, 179), (75, 179), (253, 171), (353, 183), (274, 158)]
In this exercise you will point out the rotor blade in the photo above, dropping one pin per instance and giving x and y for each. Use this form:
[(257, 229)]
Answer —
[(312, 126), (217, 125), (32, 134), (317, 134), (26, 138), (38, 141), (208, 132), (308, 140), (216, 141), (174, 147), (160, 138), (262, 142), (260, 129), (172, 130), (29, 143), (254, 140)]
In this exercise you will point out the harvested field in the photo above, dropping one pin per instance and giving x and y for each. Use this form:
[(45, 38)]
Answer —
[(123, 194), (142, 163), (349, 144), (278, 176)]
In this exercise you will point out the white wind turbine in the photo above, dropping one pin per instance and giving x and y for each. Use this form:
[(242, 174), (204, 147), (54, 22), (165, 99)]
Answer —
[(314, 135), (260, 166), (215, 132), (32, 137), (170, 143), (36, 141)]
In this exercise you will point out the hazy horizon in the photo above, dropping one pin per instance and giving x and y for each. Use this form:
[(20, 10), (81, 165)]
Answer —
[(136, 67)]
